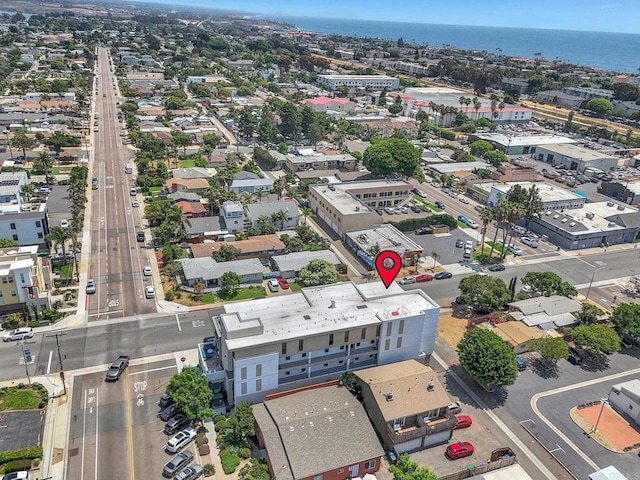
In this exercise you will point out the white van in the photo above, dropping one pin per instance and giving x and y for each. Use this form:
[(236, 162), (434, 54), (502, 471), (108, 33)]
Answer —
[(128, 168), (273, 285)]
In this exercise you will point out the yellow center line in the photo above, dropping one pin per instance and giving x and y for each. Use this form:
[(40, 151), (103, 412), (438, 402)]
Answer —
[(130, 425)]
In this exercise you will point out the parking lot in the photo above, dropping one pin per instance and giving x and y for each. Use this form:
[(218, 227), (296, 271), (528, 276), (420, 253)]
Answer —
[(21, 429), (119, 420)]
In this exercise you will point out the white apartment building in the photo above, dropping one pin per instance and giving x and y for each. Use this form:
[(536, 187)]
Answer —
[(25, 279), (27, 224), (284, 342), (374, 82)]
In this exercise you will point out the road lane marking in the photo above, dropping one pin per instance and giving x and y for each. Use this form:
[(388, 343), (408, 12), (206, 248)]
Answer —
[(178, 322), (84, 433), (49, 363), (130, 427), (153, 370)]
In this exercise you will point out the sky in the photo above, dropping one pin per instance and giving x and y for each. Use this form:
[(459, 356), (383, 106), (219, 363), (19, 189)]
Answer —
[(590, 15)]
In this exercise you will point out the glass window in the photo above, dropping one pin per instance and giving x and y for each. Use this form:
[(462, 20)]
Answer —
[(243, 388), (259, 370), (258, 384), (243, 373)]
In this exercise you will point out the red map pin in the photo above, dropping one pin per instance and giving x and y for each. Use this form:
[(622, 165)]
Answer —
[(388, 264)]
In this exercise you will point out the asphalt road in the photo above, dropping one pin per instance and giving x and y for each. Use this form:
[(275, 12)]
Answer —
[(116, 259)]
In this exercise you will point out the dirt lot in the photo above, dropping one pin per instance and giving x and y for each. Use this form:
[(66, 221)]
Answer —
[(451, 327)]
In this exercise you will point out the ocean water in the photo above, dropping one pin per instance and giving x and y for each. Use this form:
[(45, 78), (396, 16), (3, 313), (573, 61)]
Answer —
[(609, 51)]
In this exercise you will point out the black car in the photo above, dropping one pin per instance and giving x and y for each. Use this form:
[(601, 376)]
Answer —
[(498, 267), (165, 400), (416, 209), (442, 275), (459, 243), (176, 424), (440, 205), (574, 356), (423, 231), (168, 413)]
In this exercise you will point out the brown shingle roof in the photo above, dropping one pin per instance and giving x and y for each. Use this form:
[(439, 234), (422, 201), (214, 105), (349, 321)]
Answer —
[(516, 333)]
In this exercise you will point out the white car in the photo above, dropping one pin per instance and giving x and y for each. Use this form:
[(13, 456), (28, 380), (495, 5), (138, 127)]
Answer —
[(463, 200), (407, 280), (527, 289), (531, 242), (23, 475), (146, 271), (64, 223), (515, 250), (468, 245), (473, 224), (91, 286), (181, 440), (149, 291), (135, 203), (18, 334)]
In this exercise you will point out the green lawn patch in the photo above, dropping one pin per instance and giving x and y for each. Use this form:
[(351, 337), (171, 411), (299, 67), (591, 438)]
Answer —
[(462, 224), (496, 248), (66, 271), (312, 247), (208, 298), (154, 191), (295, 287), (248, 293), (187, 163), (23, 399), (433, 207)]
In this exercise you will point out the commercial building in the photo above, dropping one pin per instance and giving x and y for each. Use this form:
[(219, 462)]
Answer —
[(407, 404), (626, 190), (514, 173), (289, 341), (520, 144), (574, 157), (319, 161), (27, 279), (451, 168), (382, 237), (327, 104), (553, 197), (290, 264), (352, 205), (625, 397), (373, 82), (319, 432)]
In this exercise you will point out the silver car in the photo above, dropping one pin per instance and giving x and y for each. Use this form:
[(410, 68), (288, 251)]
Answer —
[(189, 473), (177, 463), (18, 334)]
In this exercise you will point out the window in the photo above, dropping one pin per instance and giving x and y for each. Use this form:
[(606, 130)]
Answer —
[(13, 226), (399, 343), (300, 345), (388, 329), (370, 464), (15, 237), (287, 358), (243, 388), (38, 224), (14, 293), (386, 344), (40, 235), (317, 477), (259, 370), (363, 334), (331, 339), (401, 329), (284, 349), (326, 350), (287, 373), (5, 279), (346, 337), (243, 373), (21, 277), (304, 355), (258, 384), (378, 331)]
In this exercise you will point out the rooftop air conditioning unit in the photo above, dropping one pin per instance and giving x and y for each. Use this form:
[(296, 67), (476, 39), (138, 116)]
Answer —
[(609, 204), (572, 224), (589, 215), (556, 216), (621, 207), (564, 220)]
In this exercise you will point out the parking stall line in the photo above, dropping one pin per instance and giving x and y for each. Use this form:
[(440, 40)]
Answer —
[(153, 370), (178, 321)]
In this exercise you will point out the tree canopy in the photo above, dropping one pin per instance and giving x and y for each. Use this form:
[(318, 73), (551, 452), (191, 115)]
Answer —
[(229, 283), (483, 292), (407, 469), (480, 147), (601, 106), (190, 391), (318, 272), (597, 337), (626, 319), (549, 283), (487, 358), (392, 156), (551, 348)]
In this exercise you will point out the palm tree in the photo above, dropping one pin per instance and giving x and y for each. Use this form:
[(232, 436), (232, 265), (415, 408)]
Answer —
[(467, 102), (212, 194), (486, 216), (280, 216), (476, 105), (58, 237), (494, 106), (279, 186), (499, 215), (435, 255), (245, 198), (28, 190), (45, 162), (461, 102), (259, 193), (514, 212), (306, 212), (501, 106)]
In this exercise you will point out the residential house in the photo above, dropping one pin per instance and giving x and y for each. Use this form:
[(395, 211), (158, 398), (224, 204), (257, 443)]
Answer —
[(386, 128), (262, 247), (289, 341), (11, 184), (27, 224), (407, 404), (207, 271), (290, 264), (547, 313), (318, 161), (192, 209), (516, 335), (250, 182), (26, 279), (232, 217), (317, 432), (462, 176), (193, 185), (200, 229), (192, 172), (184, 197), (256, 211)]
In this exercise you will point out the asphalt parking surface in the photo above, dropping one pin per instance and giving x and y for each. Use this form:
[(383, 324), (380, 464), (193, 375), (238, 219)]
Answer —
[(445, 244), (21, 429)]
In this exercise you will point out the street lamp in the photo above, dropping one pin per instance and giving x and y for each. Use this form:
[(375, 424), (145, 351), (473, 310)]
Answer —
[(591, 282), (595, 427)]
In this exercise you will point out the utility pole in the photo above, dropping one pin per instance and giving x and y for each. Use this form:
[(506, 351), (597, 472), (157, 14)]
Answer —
[(58, 335)]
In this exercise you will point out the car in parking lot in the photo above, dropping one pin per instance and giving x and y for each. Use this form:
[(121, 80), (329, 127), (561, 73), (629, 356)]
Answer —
[(283, 283), (181, 440), (149, 291), (442, 275), (146, 271), (176, 424), (497, 267), (407, 280), (423, 231), (517, 251), (91, 286), (467, 254), (459, 450), (169, 412), (468, 245), (177, 463), (459, 243), (404, 210), (416, 209), (425, 277), (165, 400), (21, 475), (18, 334), (189, 473), (530, 242), (463, 421), (389, 210), (64, 224)]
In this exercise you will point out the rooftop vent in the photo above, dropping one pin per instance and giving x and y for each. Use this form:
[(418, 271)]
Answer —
[(333, 304), (332, 188), (609, 204), (361, 306), (589, 215), (564, 220), (430, 387), (621, 207), (388, 396), (548, 212), (572, 224), (556, 216), (307, 317)]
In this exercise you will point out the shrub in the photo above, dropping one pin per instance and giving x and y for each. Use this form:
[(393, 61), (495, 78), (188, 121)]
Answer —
[(201, 440), (229, 461), (27, 453), (42, 404), (209, 468), (16, 466), (219, 418), (244, 453), (220, 426), (202, 430), (204, 449)]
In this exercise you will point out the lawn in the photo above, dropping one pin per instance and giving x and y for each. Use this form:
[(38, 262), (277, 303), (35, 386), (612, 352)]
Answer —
[(462, 224), (248, 293), (66, 271), (433, 207), (24, 399), (187, 163), (496, 248), (295, 287), (208, 298), (154, 191)]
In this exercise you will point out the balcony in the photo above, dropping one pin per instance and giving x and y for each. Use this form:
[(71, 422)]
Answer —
[(421, 429)]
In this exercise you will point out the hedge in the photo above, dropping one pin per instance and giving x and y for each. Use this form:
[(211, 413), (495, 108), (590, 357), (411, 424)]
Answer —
[(229, 461), (16, 466), (204, 450), (27, 453), (414, 223)]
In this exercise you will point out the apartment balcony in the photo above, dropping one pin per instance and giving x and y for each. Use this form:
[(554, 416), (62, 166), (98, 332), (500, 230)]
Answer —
[(421, 429), (368, 362), (363, 350), (292, 378), (287, 364)]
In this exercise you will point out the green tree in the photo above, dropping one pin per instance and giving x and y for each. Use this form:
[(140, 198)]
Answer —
[(600, 106), (483, 292), (13, 320), (229, 284), (191, 393), (318, 272), (240, 425), (44, 162), (407, 469), (28, 190), (229, 252), (295, 245), (549, 283), (626, 319), (589, 313), (392, 156), (23, 142), (495, 157), (181, 139), (58, 238), (480, 147), (625, 91), (395, 108), (211, 139), (487, 358), (551, 348), (597, 337), (267, 128), (482, 173), (6, 242)]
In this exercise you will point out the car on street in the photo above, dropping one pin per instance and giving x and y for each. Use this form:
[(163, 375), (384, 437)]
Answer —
[(64, 224), (479, 208), (189, 473), (177, 463), (459, 450), (463, 219), (181, 440), (176, 424), (149, 291), (165, 400), (422, 194), (135, 203), (117, 367), (463, 421), (498, 267), (459, 243), (464, 200), (425, 277), (423, 231), (442, 275), (168, 412), (146, 271), (18, 334), (22, 475), (407, 280), (91, 286), (283, 283), (440, 205), (472, 224)]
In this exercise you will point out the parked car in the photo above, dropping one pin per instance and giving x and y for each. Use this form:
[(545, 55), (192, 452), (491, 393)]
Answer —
[(440, 205), (498, 267), (442, 275), (574, 356), (135, 203), (455, 407), (189, 473), (479, 208), (459, 243), (422, 194), (169, 412), (407, 280), (416, 209), (517, 251), (423, 231), (165, 400), (467, 254), (425, 277), (459, 450), (181, 440), (64, 224), (464, 200), (283, 283), (625, 342), (22, 475), (468, 245), (463, 219), (177, 463), (91, 286), (389, 210), (404, 210), (472, 223), (526, 289), (531, 242), (146, 271), (18, 334), (522, 365), (463, 421), (176, 424)]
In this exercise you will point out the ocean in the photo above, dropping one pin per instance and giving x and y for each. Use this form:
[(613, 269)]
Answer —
[(609, 51)]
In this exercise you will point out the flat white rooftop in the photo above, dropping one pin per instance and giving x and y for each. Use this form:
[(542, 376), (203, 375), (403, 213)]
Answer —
[(548, 192), (386, 236), (591, 218), (577, 152), (315, 310), (341, 195), (525, 140)]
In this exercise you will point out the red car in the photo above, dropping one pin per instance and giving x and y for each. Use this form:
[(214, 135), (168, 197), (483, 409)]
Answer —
[(459, 450), (425, 277), (283, 283), (463, 421)]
